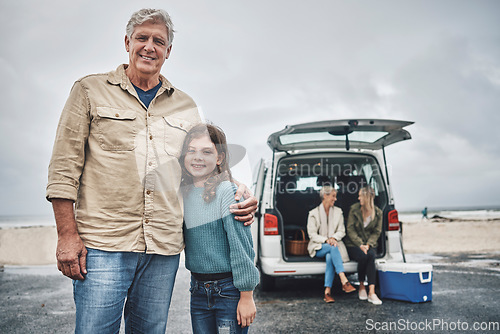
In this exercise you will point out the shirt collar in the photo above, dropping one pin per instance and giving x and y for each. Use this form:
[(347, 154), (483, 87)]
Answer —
[(119, 77)]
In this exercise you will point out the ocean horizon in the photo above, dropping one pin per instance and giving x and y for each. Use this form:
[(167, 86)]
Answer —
[(478, 212)]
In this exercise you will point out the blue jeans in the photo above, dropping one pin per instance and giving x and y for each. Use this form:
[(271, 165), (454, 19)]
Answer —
[(213, 307), (144, 281), (333, 262)]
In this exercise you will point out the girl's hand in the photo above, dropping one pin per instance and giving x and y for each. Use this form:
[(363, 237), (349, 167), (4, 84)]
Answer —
[(246, 309)]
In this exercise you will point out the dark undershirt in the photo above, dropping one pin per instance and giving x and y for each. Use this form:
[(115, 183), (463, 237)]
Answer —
[(147, 96)]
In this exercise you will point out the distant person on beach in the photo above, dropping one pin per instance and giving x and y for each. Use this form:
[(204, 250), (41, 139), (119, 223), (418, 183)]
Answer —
[(424, 213), (364, 226), (325, 226), (219, 251), (116, 156)]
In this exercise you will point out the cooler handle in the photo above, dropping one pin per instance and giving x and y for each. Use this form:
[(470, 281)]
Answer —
[(425, 280)]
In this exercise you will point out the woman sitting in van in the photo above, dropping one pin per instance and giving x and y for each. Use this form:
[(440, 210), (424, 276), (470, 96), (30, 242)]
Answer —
[(325, 227), (364, 226)]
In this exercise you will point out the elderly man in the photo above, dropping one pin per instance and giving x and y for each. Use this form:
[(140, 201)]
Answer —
[(116, 157)]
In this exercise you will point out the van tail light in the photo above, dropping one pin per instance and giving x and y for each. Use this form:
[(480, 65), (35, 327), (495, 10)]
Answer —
[(393, 220), (270, 224)]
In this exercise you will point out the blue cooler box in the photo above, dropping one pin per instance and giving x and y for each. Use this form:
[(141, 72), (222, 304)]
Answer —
[(410, 282)]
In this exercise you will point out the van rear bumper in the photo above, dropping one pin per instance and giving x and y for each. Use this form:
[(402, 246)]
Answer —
[(274, 266)]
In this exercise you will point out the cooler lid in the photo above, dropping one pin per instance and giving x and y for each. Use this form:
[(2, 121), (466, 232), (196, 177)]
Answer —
[(404, 268)]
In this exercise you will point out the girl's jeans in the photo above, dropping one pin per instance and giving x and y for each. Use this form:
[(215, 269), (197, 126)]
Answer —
[(213, 307)]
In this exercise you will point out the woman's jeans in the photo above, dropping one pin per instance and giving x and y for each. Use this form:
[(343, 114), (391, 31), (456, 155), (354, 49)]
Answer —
[(333, 262), (213, 307), (366, 263), (144, 281)]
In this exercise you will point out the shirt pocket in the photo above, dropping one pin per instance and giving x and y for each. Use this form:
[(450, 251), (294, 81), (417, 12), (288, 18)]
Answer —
[(175, 132), (117, 128)]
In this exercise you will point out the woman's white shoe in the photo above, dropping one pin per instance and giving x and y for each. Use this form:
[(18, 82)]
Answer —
[(374, 299), (362, 295)]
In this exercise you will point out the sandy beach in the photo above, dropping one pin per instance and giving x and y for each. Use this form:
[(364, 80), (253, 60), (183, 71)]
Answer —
[(28, 245), (36, 245), (451, 237)]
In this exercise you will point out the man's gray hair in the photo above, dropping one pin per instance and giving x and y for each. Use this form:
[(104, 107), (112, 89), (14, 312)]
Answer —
[(326, 190), (151, 15)]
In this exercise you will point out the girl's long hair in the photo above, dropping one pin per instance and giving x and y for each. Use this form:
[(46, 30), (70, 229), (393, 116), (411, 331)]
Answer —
[(221, 172)]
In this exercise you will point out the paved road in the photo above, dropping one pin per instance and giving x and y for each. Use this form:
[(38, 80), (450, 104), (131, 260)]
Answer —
[(466, 293)]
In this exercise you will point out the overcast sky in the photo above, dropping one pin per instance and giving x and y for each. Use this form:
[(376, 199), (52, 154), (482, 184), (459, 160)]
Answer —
[(255, 66)]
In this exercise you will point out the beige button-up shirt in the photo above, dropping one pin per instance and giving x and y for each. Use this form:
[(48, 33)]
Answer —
[(118, 160)]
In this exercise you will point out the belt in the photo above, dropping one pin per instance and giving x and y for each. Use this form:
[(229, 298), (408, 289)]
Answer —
[(211, 277)]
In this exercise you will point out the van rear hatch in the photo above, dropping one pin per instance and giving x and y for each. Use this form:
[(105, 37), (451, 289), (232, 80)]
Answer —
[(371, 134)]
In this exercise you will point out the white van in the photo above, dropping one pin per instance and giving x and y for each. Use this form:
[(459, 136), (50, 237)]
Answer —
[(347, 154)]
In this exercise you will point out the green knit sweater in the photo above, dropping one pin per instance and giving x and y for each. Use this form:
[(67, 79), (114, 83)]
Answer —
[(215, 241)]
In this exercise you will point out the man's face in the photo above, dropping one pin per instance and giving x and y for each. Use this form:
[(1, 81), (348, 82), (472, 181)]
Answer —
[(147, 48)]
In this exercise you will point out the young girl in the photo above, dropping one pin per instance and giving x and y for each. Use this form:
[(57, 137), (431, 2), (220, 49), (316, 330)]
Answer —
[(219, 249)]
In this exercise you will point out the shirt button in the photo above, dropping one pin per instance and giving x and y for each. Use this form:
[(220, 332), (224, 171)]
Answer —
[(117, 115), (147, 221), (150, 163), (148, 192), (151, 137), (149, 114), (207, 285)]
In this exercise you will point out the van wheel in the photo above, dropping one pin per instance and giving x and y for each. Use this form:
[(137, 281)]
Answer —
[(267, 283)]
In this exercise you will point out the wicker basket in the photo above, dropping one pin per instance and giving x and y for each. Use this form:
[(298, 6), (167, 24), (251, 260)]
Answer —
[(296, 246)]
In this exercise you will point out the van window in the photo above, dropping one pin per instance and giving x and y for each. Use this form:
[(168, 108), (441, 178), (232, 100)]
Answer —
[(369, 172), (300, 178), (307, 182), (367, 137)]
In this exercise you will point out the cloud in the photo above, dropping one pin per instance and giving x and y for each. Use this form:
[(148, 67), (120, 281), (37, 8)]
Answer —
[(255, 67), (451, 93)]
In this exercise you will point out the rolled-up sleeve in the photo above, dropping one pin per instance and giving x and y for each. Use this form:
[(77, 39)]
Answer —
[(68, 155)]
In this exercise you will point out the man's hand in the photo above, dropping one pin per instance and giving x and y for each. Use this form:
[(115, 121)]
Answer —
[(71, 256), (246, 310), (244, 211), (71, 253), (365, 248)]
